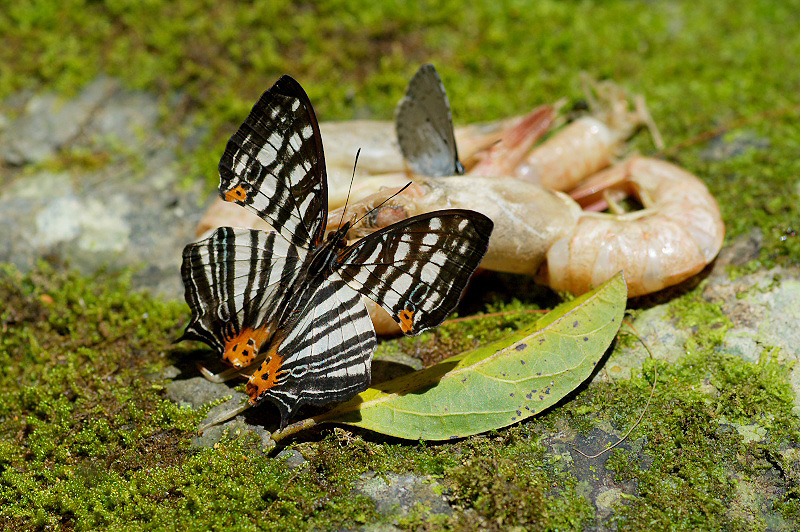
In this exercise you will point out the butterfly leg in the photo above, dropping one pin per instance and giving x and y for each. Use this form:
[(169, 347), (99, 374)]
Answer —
[(228, 374), (224, 416)]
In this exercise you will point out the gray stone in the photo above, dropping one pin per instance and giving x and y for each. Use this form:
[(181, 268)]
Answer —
[(170, 372), (375, 527), (733, 144), (235, 427), (293, 458), (765, 309), (127, 119), (666, 341), (197, 391), (398, 495), (49, 122), (132, 212)]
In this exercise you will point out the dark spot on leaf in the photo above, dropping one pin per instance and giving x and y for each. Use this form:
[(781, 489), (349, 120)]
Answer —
[(575, 324), (519, 413), (529, 396), (520, 347), (585, 338), (541, 341), (522, 362), (547, 391), (511, 394), (538, 373), (464, 379)]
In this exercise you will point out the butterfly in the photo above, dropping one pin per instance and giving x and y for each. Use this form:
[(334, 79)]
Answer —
[(286, 304), (424, 126)]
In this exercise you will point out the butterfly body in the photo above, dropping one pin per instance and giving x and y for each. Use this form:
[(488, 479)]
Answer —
[(287, 303)]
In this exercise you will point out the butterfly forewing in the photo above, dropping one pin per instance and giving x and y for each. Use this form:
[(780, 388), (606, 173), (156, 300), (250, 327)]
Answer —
[(418, 268), (424, 126), (274, 165), (324, 357), (235, 281)]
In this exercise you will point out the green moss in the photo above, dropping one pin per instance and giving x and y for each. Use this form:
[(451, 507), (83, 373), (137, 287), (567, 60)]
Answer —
[(511, 486)]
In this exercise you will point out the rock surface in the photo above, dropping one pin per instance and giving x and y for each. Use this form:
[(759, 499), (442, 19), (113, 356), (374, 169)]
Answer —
[(398, 495), (90, 182)]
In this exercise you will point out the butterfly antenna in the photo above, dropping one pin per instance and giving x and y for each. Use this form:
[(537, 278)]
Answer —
[(382, 203), (351, 187)]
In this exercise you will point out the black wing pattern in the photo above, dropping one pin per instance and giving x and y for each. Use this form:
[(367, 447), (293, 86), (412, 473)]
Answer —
[(235, 281), (417, 269), (424, 126), (274, 165), (325, 356)]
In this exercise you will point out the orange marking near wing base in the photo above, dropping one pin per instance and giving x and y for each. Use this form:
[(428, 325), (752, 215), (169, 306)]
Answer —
[(265, 377), (236, 194), (406, 316), (243, 348)]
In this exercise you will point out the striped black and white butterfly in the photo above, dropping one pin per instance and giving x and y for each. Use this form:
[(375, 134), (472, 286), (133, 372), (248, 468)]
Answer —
[(424, 126), (288, 302)]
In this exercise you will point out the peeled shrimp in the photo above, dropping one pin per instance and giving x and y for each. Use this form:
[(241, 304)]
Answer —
[(545, 233)]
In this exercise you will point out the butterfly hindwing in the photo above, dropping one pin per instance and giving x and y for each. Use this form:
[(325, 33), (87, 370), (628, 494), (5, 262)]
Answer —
[(274, 165), (424, 126), (326, 356), (234, 284), (417, 269)]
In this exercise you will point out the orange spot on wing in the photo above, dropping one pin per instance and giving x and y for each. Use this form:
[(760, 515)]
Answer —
[(406, 316), (265, 377), (242, 349), (236, 194)]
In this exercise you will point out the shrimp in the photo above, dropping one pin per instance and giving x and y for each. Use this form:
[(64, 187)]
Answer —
[(582, 147), (545, 233), (676, 235)]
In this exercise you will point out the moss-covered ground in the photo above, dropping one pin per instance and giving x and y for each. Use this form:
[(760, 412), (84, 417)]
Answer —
[(88, 439)]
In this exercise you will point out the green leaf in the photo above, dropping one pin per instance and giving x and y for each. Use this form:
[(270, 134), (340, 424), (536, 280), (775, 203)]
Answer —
[(497, 384)]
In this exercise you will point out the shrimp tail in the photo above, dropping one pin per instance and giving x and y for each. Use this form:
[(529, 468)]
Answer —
[(513, 146)]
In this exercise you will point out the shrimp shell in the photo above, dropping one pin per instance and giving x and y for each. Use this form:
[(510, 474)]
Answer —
[(527, 218)]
